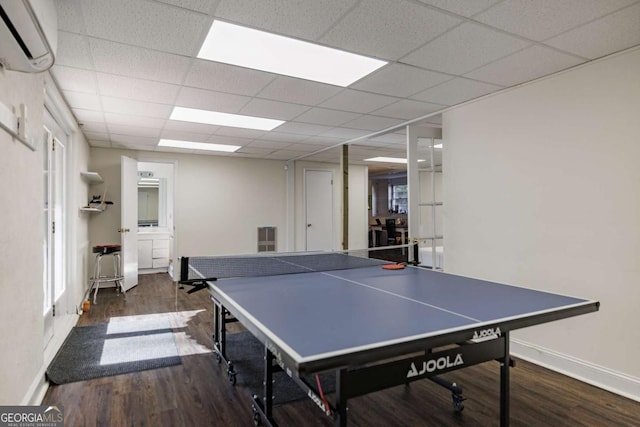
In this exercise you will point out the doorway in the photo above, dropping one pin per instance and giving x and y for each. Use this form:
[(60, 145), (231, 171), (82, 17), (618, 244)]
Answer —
[(319, 212)]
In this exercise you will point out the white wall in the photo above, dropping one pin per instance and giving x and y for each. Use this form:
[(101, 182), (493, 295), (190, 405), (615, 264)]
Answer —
[(542, 189), (22, 357), (220, 201)]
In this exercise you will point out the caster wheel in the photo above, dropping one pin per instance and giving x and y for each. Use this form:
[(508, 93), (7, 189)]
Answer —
[(232, 377), (458, 403), (256, 419), (218, 358)]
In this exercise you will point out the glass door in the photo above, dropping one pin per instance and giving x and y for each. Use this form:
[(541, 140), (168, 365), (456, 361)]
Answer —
[(54, 242)]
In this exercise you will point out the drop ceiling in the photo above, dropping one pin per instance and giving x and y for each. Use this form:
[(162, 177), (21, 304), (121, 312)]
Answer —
[(122, 66)]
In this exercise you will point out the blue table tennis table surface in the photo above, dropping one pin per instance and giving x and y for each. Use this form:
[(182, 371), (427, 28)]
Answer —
[(328, 315)]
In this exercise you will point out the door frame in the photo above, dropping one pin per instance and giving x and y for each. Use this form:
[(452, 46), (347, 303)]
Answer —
[(333, 204)]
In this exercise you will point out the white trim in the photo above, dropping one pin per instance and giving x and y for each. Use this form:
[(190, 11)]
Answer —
[(590, 373)]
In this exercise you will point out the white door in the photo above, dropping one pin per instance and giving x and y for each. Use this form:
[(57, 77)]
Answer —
[(129, 222), (319, 209), (54, 242)]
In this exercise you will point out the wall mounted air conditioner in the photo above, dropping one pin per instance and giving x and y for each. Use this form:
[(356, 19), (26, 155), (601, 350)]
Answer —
[(28, 34)]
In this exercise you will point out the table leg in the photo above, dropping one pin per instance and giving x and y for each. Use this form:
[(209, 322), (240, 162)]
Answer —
[(504, 383), (341, 400)]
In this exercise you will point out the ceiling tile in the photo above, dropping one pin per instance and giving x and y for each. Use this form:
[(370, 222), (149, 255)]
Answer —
[(227, 78), (88, 115), (97, 136), (392, 28), (147, 24), (345, 133), (250, 149), (115, 129), (303, 128), (528, 64), (114, 119), (272, 109), (465, 48), (456, 91), (137, 89), (372, 123), (70, 15), (408, 109), (210, 100), (400, 80), (325, 141), (130, 141), (91, 126), (541, 19), (462, 7), (306, 20), (73, 51), (189, 127), (358, 101), (612, 33), (228, 140), (298, 91), (324, 116), (182, 135), (86, 101), (132, 61), (281, 137), (204, 6), (135, 108), (272, 145), (282, 155), (74, 79), (239, 132)]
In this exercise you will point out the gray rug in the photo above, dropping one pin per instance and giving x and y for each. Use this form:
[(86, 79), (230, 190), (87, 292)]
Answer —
[(247, 353), (106, 350)]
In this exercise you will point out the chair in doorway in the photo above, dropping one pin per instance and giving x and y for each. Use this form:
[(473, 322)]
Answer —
[(392, 234)]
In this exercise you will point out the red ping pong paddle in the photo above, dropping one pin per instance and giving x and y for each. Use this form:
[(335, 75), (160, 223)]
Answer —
[(393, 266)]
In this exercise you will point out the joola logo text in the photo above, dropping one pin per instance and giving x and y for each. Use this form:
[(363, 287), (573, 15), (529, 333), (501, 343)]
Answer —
[(433, 365), (487, 333)]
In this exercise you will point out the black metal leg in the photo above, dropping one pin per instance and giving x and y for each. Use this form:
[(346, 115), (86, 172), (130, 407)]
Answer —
[(268, 383), (341, 399), (504, 383)]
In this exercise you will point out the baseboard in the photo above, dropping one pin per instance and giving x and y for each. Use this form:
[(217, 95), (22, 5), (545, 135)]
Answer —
[(39, 386), (152, 270), (598, 376)]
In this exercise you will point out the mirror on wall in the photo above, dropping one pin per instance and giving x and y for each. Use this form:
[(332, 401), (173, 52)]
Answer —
[(150, 202)]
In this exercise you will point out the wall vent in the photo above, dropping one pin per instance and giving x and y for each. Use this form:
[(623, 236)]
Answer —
[(266, 239)]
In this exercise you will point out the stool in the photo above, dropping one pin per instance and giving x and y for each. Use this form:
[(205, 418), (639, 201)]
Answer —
[(101, 251)]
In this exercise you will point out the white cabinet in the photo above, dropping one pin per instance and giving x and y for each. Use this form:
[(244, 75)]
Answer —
[(154, 250), (145, 248)]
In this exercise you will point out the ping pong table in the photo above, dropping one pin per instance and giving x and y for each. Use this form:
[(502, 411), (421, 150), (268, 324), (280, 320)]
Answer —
[(374, 328)]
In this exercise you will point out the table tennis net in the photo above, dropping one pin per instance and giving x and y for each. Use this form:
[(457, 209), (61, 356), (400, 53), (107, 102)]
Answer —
[(273, 265)]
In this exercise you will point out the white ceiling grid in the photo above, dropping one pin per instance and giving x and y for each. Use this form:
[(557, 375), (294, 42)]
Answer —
[(123, 65)]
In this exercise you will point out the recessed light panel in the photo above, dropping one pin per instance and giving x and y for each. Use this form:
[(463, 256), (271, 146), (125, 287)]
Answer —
[(388, 160), (246, 47), (223, 119), (190, 145)]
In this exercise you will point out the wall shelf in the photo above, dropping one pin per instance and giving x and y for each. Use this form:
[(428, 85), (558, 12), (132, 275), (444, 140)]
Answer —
[(91, 177), (96, 204)]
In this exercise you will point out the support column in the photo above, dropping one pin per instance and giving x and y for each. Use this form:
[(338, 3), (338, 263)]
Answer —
[(344, 161), (413, 185), (290, 171)]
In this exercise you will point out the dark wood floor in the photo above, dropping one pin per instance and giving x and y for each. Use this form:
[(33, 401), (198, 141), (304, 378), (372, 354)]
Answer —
[(197, 393)]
